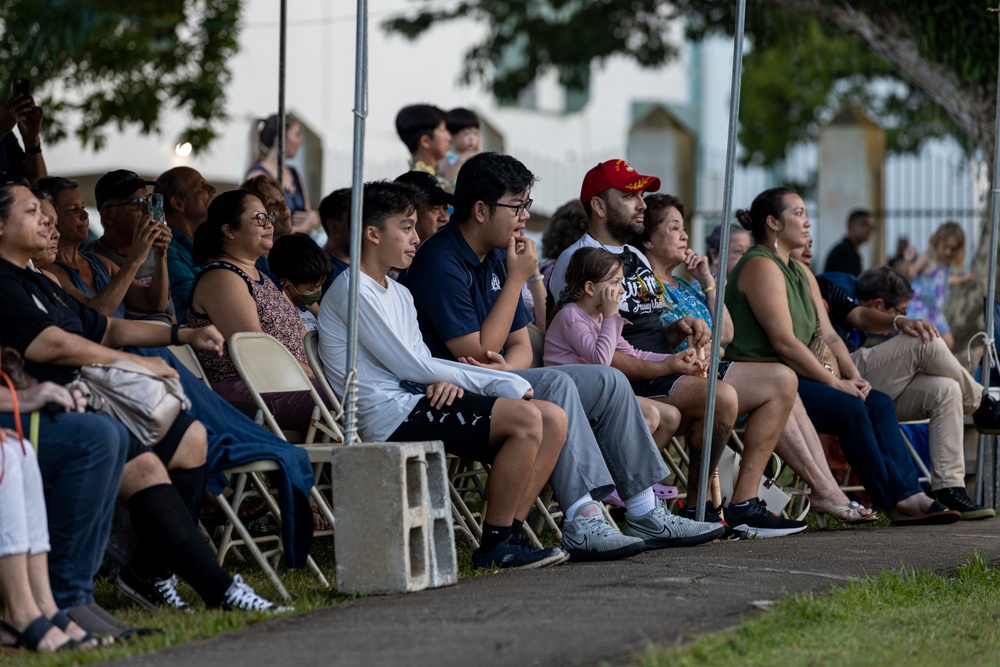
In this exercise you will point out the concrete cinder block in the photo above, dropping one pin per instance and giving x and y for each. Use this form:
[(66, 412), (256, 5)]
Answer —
[(392, 518)]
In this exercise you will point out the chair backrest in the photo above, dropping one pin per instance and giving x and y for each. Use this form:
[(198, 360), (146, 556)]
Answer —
[(186, 355), (312, 354), (266, 366)]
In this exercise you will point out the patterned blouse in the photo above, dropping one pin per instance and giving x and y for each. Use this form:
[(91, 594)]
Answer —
[(930, 291), (685, 300), (278, 317)]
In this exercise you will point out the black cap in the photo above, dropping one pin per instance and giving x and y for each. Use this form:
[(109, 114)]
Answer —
[(117, 184), (429, 186)]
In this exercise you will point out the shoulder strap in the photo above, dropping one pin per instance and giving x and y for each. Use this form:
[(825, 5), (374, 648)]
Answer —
[(219, 264)]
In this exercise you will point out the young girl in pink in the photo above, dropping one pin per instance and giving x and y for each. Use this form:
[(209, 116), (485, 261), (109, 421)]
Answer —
[(587, 329)]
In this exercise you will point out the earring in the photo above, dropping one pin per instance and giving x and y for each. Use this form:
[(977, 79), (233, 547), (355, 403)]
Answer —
[(775, 243)]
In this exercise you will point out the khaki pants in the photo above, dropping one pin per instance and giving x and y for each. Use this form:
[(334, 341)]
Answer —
[(926, 382)]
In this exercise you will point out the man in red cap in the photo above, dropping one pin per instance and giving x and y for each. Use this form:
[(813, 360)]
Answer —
[(612, 197)]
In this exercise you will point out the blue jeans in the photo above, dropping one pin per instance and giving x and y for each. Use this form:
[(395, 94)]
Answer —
[(869, 436), (81, 457)]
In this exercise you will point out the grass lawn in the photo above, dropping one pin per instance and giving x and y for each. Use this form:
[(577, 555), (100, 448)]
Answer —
[(898, 618)]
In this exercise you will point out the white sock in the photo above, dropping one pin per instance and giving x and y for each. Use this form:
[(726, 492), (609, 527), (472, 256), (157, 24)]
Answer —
[(641, 503), (571, 511)]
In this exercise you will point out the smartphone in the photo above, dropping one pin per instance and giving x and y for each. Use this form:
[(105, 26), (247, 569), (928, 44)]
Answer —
[(156, 206), (20, 87)]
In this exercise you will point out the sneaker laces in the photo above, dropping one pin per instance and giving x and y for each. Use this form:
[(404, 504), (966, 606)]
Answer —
[(241, 596), (598, 524), (167, 588)]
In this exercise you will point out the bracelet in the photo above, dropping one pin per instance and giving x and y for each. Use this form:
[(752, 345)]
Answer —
[(34, 150), (175, 334), (894, 325), (709, 289), (536, 278)]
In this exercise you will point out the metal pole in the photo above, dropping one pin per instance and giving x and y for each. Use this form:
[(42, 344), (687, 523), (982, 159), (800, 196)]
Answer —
[(991, 285), (727, 214), (360, 114), (282, 32)]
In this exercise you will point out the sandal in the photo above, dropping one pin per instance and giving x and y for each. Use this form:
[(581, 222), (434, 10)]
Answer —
[(92, 618), (661, 491), (32, 635), (62, 621), (853, 517)]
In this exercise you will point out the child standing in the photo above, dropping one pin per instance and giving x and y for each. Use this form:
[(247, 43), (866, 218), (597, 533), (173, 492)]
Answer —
[(465, 142), (587, 329), (932, 273)]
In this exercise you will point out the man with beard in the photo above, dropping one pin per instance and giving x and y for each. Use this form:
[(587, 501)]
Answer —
[(466, 282), (612, 197)]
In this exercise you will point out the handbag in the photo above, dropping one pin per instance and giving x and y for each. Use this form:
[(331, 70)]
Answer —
[(823, 353), (144, 402)]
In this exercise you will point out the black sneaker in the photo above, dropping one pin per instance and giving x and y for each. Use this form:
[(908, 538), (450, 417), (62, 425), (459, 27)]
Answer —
[(987, 417), (955, 498), (756, 521), (514, 553), (240, 596), (151, 593)]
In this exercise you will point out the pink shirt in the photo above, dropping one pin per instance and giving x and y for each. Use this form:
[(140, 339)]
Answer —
[(574, 337)]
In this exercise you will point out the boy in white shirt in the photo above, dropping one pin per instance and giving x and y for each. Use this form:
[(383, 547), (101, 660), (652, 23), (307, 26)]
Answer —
[(405, 394)]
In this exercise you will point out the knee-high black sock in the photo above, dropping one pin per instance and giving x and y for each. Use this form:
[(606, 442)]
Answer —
[(164, 526), (190, 485)]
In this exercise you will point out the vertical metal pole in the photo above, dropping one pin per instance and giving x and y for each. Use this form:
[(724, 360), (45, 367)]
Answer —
[(282, 42), (360, 114), (991, 286), (727, 215)]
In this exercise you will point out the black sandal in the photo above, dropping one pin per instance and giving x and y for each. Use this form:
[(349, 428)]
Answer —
[(32, 635), (62, 621)]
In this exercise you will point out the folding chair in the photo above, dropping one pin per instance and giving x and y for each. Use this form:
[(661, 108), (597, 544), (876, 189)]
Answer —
[(925, 474), (316, 364), (266, 366), (186, 355)]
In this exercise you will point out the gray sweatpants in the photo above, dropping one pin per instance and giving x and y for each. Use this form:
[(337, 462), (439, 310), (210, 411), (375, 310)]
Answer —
[(607, 443)]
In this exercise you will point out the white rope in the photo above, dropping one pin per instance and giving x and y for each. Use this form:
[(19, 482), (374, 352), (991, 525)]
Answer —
[(351, 398), (989, 350)]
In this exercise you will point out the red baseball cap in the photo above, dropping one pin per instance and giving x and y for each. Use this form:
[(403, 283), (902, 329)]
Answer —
[(617, 174)]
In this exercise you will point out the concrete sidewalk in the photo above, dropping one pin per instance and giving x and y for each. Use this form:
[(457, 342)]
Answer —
[(582, 614)]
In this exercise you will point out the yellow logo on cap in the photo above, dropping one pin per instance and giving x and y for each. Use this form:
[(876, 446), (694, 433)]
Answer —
[(622, 164), (640, 184)]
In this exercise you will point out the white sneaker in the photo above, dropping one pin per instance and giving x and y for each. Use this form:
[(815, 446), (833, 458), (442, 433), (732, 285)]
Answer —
[(590, 536), (240, 595)]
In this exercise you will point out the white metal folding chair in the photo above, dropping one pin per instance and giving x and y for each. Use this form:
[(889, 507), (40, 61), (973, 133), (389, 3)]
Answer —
[(266, 366)]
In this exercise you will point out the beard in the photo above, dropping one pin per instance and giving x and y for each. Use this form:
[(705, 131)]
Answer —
[(622, 227)]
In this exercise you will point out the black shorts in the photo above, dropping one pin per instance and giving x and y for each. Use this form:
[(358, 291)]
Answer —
[(463, 427), (167, 446), (664, 385)]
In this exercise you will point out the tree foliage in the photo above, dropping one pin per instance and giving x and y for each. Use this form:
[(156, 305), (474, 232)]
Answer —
[(121, 62), (807, 58)]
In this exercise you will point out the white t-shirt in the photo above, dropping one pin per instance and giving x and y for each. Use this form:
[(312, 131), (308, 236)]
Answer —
[(391, 349)]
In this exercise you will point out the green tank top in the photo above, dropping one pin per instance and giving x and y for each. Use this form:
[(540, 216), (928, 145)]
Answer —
[(750, 340)]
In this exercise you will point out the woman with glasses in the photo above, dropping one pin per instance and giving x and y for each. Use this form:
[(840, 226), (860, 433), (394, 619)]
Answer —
[(780, 318), (235, 296)]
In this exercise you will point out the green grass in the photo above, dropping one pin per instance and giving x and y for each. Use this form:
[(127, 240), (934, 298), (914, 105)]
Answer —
[(909, 617)]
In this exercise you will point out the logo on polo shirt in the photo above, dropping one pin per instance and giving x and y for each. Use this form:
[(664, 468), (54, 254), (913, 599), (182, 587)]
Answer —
[(495, 283)]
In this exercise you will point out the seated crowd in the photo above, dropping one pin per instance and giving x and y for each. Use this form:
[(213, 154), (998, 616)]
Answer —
[(447, 302)]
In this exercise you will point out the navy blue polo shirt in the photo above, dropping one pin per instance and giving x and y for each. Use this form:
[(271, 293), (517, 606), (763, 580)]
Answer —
[(453, 291)]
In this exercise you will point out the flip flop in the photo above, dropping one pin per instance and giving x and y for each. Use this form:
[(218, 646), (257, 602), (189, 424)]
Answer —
[(936, 515), (92, 618), (32, 635), (853, 510)]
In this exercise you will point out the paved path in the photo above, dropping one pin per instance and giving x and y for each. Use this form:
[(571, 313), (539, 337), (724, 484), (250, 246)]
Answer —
[(581, 614)]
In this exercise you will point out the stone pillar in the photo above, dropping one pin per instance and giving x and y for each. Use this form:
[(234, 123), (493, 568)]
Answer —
[(851, 167)]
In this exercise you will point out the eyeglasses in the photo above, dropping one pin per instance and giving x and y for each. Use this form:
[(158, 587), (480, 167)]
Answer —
[(518, 208), (900, 311), (264, 220), (137, 203)]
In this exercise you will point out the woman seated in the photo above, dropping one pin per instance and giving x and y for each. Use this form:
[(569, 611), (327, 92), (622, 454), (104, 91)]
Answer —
[(235, 296), (31, 618), (778, 306), (268, 191), (94, 280), (162, 484), (664, 242)]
